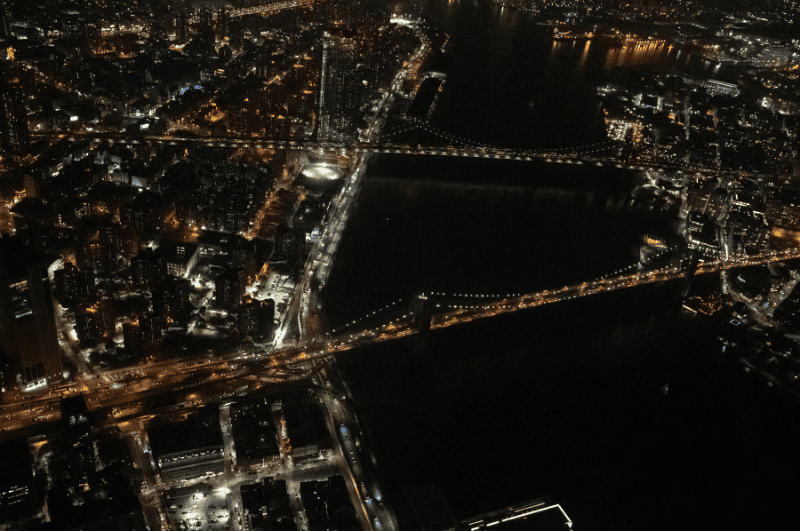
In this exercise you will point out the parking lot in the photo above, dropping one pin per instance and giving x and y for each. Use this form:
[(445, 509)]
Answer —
[(200, 511)]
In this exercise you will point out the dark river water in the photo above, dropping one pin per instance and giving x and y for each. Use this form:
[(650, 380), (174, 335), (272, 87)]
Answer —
[(564, 400), (510, 84)]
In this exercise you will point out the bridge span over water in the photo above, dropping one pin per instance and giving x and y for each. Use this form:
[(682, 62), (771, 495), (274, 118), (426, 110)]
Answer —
[(452, 309), (297, 361), (263, 9), (592, 154)]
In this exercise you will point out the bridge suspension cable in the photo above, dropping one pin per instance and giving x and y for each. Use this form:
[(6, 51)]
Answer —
[(439, 133), (392, 305), (636, 265), (584, 148), (620, 278)]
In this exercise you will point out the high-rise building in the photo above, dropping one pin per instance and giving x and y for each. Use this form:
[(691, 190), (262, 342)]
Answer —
[(289, 245), (179, 258), (229, 288), (141, 336), (73, 284), (256, 319), (205, 18), (17, 499), (145, 269), (222, 23), (76, 428), (181, 29), (171, 298), (34, 185), (5, 30), (27, 322), (14, 133), (91, 256), (92, 322), (340, 90)]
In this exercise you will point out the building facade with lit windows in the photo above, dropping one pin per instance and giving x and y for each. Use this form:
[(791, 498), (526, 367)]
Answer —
[(14, 133), (17, 498), (714, 86), (142, 336), (619, 127), (256, 319), (340, 90), (27, 322), (79, 450)]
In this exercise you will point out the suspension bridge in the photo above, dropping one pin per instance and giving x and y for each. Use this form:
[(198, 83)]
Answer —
[(449, 309), (293, 362), (264, 9), (269, 8), (597, 154)]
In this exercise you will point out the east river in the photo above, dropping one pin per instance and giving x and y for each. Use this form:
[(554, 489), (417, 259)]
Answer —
[(566, 400)]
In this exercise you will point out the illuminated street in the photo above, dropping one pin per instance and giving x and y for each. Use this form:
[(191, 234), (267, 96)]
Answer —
[(216, 218)]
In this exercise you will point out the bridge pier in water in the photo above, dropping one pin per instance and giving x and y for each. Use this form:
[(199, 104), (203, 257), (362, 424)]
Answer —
[(421, 315), (689, 265)]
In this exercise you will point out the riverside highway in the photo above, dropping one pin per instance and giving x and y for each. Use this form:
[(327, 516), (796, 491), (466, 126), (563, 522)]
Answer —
[(302, 319)]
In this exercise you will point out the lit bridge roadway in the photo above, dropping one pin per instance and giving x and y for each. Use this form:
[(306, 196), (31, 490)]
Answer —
[(586, 155), (268, 8), (261, 10), (478, 307), (296, 362)]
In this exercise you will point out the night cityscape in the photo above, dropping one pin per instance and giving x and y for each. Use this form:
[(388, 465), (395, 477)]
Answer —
[(422, 265)]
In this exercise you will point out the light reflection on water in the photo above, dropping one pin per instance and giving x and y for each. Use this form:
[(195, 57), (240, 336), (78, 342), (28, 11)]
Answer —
[(585, 54), (639, 55), (569, 394)]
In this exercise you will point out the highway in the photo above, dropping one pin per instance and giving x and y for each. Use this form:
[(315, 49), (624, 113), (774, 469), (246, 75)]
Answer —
[(304, 315), (361, 483), (302, 343)]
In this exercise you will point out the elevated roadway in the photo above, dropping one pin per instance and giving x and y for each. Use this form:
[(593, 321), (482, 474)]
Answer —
[(295, 361), (263, 9), (555, 156), (269, 8)]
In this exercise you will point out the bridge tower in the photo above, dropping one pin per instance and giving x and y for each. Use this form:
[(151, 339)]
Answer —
[(421, 315), (689, 264)]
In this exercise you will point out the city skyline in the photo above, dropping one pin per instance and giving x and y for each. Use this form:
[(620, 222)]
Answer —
[(195, 278)]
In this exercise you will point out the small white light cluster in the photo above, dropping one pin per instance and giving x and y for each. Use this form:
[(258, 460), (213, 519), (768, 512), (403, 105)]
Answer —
[(323, 171)]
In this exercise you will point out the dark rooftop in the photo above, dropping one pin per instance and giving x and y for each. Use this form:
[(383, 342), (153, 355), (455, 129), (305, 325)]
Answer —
[(16, 256), (424, 98), (17, 468), (537, 515)]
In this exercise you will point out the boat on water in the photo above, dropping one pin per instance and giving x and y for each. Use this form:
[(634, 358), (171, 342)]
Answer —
[(570, 36), (447, 46), (572, 33)]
